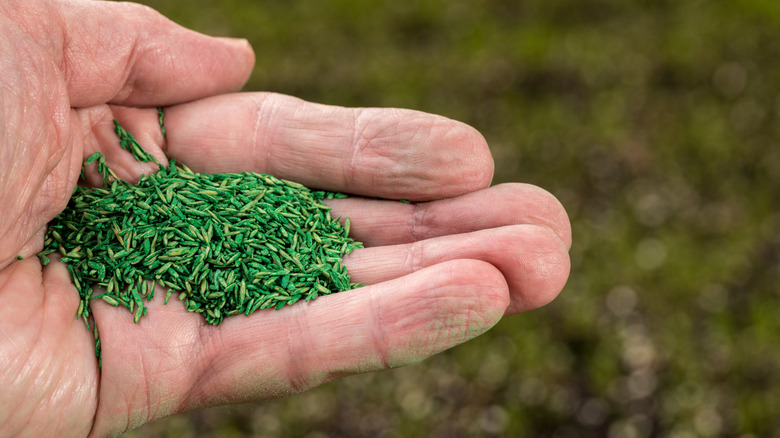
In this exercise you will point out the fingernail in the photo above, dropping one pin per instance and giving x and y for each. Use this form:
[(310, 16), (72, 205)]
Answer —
[(235, 42)]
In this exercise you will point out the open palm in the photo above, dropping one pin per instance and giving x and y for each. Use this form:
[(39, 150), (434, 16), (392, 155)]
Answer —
[(439, 271)]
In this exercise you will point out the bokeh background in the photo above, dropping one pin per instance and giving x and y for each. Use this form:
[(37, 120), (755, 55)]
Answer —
[(655, 122)]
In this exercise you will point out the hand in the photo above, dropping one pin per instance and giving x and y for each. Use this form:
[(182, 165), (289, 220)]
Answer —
[(438, 272)]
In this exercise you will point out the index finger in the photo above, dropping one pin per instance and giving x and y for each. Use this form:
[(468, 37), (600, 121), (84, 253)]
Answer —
[(378, 152)]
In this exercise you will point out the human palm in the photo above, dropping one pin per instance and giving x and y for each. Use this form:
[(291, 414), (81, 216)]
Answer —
[(438, 271)]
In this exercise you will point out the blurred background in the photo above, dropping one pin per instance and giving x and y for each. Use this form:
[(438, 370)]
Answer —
[(655, 122)]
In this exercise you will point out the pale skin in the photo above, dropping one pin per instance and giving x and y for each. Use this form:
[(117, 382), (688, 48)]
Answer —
[(438, 272)]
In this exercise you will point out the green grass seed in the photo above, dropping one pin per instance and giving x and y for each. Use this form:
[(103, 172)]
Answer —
[(224, 243)]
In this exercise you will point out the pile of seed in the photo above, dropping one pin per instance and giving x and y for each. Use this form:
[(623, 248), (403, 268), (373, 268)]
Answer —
[(227, 244)]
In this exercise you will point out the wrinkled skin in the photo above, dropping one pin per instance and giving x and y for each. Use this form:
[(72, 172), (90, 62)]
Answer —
[(438, 273)]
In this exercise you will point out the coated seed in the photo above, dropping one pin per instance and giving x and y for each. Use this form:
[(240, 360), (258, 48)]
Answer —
[(225, 243)]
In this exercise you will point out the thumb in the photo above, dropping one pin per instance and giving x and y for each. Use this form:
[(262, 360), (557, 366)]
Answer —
[(126, 53)]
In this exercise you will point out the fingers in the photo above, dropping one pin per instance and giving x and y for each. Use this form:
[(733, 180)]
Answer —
[(129, 54), (521, 229), (382, 326), (389, 153), (171, 362), (378, 223), (533, 260), (101, 136), (376, 152)]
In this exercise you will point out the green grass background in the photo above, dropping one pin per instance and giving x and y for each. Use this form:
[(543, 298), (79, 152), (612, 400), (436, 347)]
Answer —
[(656, 125)]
